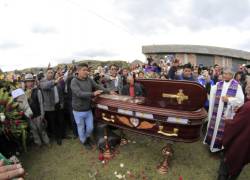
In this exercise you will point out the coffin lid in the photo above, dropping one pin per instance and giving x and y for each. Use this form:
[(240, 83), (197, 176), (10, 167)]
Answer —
[(172, 94)]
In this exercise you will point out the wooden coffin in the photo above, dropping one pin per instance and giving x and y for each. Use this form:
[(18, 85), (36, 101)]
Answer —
[(170, 109)]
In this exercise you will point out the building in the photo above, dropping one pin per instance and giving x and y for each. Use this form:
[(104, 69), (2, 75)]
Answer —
[(198, 55)]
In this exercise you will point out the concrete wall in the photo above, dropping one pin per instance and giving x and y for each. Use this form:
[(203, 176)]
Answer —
[(196, 49), (205, 60)]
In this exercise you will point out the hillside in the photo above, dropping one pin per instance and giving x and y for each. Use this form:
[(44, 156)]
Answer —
[(92, 63)]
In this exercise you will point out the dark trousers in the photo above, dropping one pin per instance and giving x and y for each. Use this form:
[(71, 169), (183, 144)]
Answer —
[(73, 123), (70, 120), (55, 121)]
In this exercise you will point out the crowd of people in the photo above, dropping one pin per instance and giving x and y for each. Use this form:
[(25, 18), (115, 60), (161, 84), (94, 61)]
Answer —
[(60, 99)]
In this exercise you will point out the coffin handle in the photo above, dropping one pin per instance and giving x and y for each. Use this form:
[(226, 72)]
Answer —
[(111, 119), (174, 133)]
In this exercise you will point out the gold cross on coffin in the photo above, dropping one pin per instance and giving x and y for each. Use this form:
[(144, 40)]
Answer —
[(180, 96)]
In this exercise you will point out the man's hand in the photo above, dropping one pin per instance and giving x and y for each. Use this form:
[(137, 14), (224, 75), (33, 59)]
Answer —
[(112, 93), (8, 172), (58, 79), (98, 92), (224, 98), (42, 116), (112, 78)]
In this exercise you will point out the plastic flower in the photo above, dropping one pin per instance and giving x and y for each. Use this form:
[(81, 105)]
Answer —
[(17, 122), (119, 176)]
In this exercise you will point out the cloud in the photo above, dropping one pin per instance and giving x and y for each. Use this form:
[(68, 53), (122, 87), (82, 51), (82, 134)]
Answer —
[(9, 45), (145, 16), (210, 13), (245, 45), (114, 29), (39, 29), (92, 53), (149, 16)]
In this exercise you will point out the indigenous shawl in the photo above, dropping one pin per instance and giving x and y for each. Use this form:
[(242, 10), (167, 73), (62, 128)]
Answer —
[(231, 92), (236, 140)]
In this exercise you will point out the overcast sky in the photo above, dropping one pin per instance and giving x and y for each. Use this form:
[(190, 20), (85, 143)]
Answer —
[(36, 32)]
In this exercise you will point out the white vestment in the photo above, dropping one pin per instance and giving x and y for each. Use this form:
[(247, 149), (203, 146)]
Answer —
[(238, 101)]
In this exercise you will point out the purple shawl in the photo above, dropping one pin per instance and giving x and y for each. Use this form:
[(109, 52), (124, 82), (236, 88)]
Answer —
[(231, 92)]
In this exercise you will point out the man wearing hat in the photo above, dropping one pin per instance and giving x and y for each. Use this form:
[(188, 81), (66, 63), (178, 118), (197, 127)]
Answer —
[(224, 97), (34, 96)]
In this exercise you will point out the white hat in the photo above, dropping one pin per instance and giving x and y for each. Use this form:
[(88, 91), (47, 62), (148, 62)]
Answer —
[(228, 70), (28, 77), (16, 93)]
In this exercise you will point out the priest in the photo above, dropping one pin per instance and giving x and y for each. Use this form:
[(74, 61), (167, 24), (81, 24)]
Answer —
[(224, 97)]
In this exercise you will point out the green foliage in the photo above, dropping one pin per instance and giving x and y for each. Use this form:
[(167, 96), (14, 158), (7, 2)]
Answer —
[(11, 116), (92, 63), (95, 63)]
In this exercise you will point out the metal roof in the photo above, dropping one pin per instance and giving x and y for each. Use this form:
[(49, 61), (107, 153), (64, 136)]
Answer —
[(197, 49)]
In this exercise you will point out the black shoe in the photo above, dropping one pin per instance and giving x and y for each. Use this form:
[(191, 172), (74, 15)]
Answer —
[(222, 177), (87, 145), (90, 141), (67, 137), (59, 142), (49, 145)]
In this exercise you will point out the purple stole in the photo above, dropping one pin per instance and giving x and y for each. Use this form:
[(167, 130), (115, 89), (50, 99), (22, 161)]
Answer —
[(231, 92)]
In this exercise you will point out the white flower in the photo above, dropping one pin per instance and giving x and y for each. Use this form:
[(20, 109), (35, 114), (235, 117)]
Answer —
[(115, 173), (134, 142), (2, 117), (121, 165), (119, 176)]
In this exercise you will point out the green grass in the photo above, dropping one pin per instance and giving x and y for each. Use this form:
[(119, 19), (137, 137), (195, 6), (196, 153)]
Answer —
[(72, 162)]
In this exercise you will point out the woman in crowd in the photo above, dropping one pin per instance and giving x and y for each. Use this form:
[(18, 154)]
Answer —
[(132, 88)]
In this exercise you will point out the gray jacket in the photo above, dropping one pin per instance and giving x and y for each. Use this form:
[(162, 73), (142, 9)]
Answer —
[(24, 105), (47, 87), (82, 93), (112, 85)]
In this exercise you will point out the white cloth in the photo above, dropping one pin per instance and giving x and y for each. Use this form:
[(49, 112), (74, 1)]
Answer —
[(232, 101), (65, 77), (116, 81), (56, 95), (24, 105), (17, 92)]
